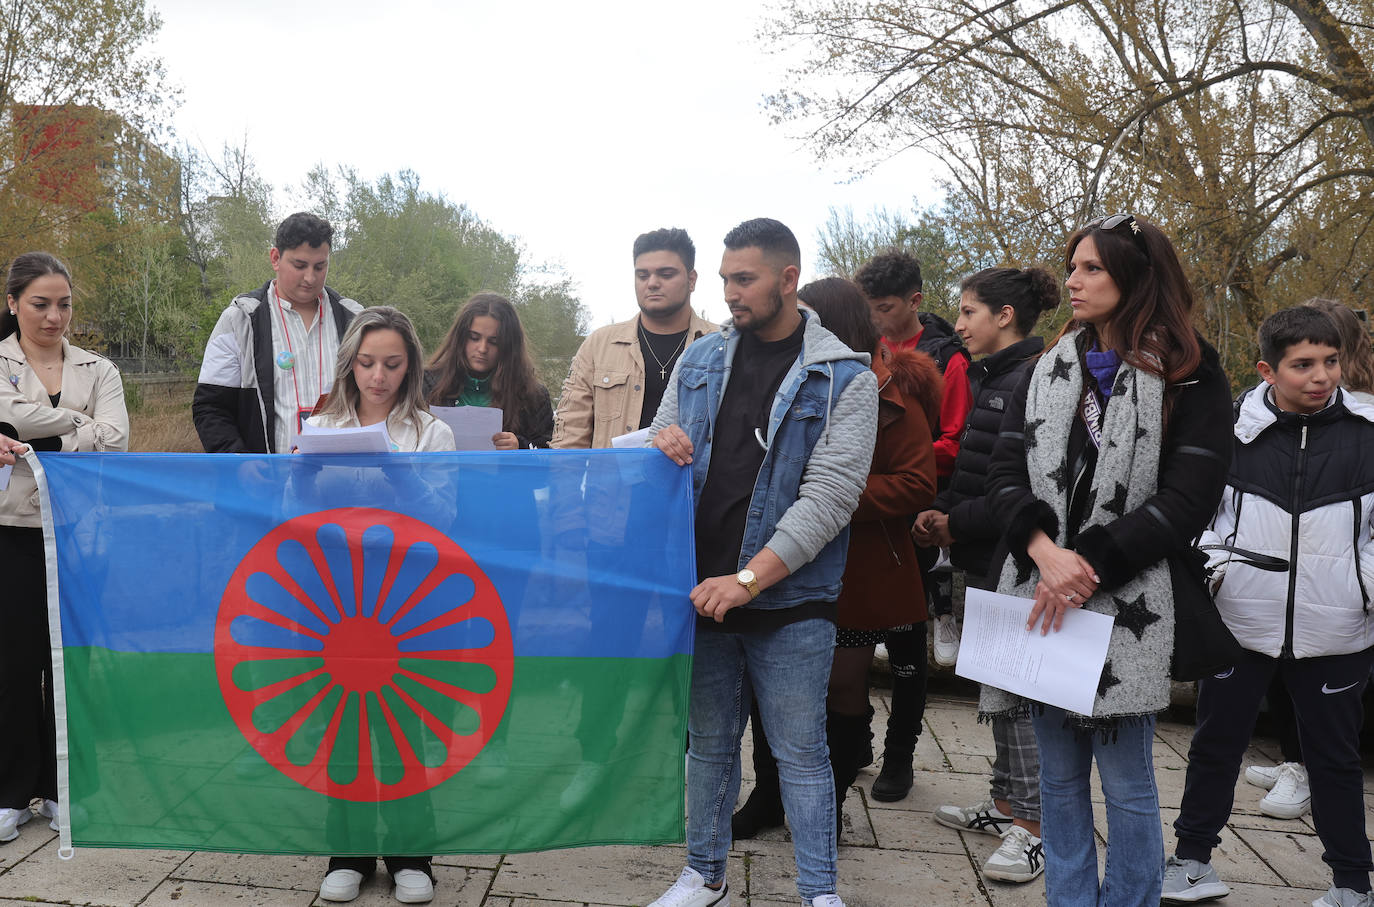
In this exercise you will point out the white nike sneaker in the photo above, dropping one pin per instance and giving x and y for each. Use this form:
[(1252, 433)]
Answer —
[(1188, 881)]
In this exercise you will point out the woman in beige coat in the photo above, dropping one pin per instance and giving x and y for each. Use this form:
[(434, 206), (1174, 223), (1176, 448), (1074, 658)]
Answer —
[(53, 396)]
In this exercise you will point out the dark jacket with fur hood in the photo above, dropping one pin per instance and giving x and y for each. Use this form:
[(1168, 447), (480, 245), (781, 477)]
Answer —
[(882, 582)]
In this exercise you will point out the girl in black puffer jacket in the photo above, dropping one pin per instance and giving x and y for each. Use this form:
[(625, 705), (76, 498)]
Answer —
[(998, 308)]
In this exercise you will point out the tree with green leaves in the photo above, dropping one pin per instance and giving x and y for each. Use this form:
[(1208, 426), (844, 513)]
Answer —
[(80, 91)]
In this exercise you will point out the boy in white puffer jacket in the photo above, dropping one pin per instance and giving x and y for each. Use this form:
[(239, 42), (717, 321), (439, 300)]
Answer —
[(1292, 566)]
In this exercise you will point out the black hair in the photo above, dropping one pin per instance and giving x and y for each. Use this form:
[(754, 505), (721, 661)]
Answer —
[(843, 311), (24, 270), (892, 273), (302, 228), (768, 235), (1289, 327), (1029, 291), (668, 239)]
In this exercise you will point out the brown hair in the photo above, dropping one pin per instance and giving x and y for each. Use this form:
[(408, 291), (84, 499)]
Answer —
[(1152, 325), (843, 311), (514, 384), (1357, 357)]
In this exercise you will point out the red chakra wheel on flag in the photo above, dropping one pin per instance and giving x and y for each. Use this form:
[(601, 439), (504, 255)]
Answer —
[(363, 653)]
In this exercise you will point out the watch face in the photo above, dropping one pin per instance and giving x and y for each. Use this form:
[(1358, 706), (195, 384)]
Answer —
[(746, 576)]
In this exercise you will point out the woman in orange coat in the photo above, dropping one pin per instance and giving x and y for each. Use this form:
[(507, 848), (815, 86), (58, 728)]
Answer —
[(882, 582)]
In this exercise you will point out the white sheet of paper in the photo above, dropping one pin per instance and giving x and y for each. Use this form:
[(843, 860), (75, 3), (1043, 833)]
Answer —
[(631, 439), (5, 477), (1061, 668), (364, 439), (473, 426)]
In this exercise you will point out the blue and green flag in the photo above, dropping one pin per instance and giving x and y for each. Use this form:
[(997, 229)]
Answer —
[(380, 654)]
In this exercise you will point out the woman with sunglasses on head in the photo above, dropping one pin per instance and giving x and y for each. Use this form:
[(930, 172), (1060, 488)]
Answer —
[(53, 396), (484, 361), (1112, 458)]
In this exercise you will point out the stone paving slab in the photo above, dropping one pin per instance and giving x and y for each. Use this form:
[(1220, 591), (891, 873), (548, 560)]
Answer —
[(891, 854), (182, 893), (105, 878)]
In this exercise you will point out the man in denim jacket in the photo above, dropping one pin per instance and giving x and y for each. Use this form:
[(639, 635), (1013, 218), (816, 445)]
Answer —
[(776, 418)]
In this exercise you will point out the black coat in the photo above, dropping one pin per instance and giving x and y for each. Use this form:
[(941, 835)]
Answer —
[(1192, 474), (974, 527)]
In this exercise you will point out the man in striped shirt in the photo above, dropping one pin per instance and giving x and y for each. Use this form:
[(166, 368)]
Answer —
[(271, 356)]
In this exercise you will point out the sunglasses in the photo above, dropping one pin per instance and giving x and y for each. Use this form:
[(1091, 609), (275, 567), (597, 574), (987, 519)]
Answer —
[(1116, 220)]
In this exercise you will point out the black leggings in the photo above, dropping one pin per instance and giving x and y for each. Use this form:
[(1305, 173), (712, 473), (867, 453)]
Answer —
[(28, 757)]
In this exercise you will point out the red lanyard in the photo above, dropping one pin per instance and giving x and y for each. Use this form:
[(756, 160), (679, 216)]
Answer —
[(286, 335)]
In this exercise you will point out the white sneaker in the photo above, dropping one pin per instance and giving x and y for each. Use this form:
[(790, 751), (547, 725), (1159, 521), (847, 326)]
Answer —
[(1021, 857), (1290, 797), (1344, 897), (946, 640), (827, 900), (48, 810), (1188, 881), (10, 820), (690, 891), (341, 885), (985, 818), (1262, 775), (413, 887)]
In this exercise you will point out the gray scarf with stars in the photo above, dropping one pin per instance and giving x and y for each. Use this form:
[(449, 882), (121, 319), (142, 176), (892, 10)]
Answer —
[(1135, 679)]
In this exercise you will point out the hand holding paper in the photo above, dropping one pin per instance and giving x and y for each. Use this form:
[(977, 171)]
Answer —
[(474, 427), (1060, 669)]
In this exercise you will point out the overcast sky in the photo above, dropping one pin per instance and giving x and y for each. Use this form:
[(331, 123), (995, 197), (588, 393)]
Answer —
[(574, 127)]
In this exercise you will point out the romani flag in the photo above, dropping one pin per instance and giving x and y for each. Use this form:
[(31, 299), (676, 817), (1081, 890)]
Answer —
[(370, 654)]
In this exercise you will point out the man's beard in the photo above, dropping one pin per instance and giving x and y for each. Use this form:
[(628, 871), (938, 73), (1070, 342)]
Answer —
[(757, 323)]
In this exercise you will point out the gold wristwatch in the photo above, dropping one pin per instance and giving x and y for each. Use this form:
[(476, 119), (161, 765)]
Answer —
[(747, 579)]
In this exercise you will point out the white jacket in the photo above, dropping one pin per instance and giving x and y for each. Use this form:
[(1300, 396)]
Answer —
[(1290, 544), (90, 416)]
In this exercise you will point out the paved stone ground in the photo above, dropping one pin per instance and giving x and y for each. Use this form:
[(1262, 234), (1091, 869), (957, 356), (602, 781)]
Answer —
[(890, 854)]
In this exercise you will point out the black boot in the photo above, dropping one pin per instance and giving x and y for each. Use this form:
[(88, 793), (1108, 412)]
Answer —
[(763, 809), (907, 655), (848, 737)]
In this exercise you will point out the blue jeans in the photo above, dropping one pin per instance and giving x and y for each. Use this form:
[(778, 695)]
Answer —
[(788, 670), (1135, 841)]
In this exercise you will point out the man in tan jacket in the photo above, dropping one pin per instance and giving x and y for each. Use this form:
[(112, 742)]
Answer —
[(609, 390)]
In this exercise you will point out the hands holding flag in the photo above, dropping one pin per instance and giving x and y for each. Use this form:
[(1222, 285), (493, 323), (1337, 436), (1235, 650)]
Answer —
[(9, 449)]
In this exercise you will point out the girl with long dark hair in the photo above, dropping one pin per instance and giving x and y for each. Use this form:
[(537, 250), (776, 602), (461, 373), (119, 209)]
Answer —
[(1112, 458), (485, 361)]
